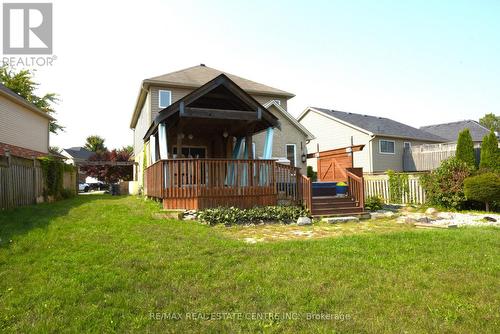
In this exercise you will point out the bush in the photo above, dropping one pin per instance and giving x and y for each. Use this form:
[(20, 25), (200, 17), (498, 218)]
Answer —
[(374, 203), (445, 186), (235, 216), (312, 174), (465, 148), (67, 193), (398, 186), (483, 188)]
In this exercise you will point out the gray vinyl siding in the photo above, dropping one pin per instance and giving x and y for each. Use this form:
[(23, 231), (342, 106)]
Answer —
[(22, 127), (143, 123), (331, 134), (289, 134), (383, 162), (176, 93)]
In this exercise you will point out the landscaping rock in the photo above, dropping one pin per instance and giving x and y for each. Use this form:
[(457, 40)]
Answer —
[(424, 220), (304, 221), (407, 220), (336, 220), (445, 215), (490, 219), (431, 211)]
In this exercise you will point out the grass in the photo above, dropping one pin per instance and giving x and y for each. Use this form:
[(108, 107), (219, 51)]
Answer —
[(105, 264)]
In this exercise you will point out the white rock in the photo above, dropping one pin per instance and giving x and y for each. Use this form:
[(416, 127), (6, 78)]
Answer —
[(431, 211), (304, 221)]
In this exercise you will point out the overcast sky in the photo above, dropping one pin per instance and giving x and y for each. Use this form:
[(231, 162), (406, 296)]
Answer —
[(418, 62)]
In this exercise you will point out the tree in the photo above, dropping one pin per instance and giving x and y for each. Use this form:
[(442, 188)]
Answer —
[(483, 188), (95, 144), (465, 148), (107, 172), (444, 186), (490, 121), (490, 154), (129, 149), (23, 84)]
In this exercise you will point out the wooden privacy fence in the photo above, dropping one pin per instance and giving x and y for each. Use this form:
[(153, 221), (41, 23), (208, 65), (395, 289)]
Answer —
[(378, 185), (429, 156), (22, 182)]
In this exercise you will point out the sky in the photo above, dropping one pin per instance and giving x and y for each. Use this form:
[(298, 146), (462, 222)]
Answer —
[(417, 62)]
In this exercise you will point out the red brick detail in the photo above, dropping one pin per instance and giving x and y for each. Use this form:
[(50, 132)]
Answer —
[(20, 151)]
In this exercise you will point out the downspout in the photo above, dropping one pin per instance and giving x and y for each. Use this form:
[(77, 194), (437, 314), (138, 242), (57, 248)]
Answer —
[(370, 153)]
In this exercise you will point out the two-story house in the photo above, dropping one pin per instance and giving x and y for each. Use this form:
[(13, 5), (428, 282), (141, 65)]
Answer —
[(289, 139)]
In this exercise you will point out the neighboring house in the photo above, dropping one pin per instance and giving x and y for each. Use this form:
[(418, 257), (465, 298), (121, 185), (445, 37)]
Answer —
[(158, 93), (75, 156), (384, 139), (450, 131), (24, 128)]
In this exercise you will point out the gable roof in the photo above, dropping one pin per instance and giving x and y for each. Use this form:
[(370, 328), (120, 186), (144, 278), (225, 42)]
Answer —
[(16, 98), (450, 131), (264, 118), (79, 152), (378, 126), (292, 119), (195, 77)]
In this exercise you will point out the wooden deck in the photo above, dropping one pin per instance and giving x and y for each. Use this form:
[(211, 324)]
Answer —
[(244, 183)]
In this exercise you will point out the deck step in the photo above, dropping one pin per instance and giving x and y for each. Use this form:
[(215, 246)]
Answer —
[(333, 211)]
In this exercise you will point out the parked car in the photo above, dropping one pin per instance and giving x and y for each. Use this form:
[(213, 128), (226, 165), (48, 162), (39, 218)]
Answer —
[(98, 186), (83, 187)]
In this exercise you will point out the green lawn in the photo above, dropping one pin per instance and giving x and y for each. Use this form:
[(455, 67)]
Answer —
[(103, 264)]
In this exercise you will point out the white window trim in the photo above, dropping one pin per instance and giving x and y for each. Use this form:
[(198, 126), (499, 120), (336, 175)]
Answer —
[(380, 146), (159, 98), (294, 153), (406, 142)]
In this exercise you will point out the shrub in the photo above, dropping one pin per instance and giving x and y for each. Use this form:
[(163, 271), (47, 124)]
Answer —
[(235, 216), (483, 188), (490, 155), (398, 186), (444, 185), (465, 148), (312, 174), (374, 203), (67, 193), (53, 173)]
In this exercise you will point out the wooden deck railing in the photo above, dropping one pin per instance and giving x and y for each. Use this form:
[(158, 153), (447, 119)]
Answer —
[(356, 185), (306, 192), (213, 182)]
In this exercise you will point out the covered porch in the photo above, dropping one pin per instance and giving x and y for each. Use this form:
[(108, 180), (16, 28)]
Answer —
[(202, 153)]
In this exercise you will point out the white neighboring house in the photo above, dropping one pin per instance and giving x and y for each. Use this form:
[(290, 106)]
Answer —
[(384, 139)]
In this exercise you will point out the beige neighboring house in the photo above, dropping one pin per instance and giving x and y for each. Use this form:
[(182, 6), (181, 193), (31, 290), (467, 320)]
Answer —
[(24, 128), (157, 93), (384, 139)]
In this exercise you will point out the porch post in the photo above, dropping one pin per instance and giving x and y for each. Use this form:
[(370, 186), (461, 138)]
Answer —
[(268, 144), (162, 138), (248, 146)]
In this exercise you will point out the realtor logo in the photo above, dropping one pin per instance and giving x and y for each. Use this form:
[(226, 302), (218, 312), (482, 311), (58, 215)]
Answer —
[(27, 28)]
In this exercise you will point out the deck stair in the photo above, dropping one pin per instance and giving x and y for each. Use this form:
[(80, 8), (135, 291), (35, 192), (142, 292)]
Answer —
[(334, 206)]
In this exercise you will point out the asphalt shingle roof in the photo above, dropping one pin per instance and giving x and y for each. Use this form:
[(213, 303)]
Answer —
[(79, 152), (199, 75), (450, 131), (381, 126)]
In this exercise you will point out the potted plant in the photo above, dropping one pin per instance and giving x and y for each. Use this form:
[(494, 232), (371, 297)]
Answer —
[(341, 188)]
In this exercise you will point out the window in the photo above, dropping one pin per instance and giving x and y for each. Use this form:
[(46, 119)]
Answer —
[(407, 145), (164, 98), (386, 146), (291, 154)]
